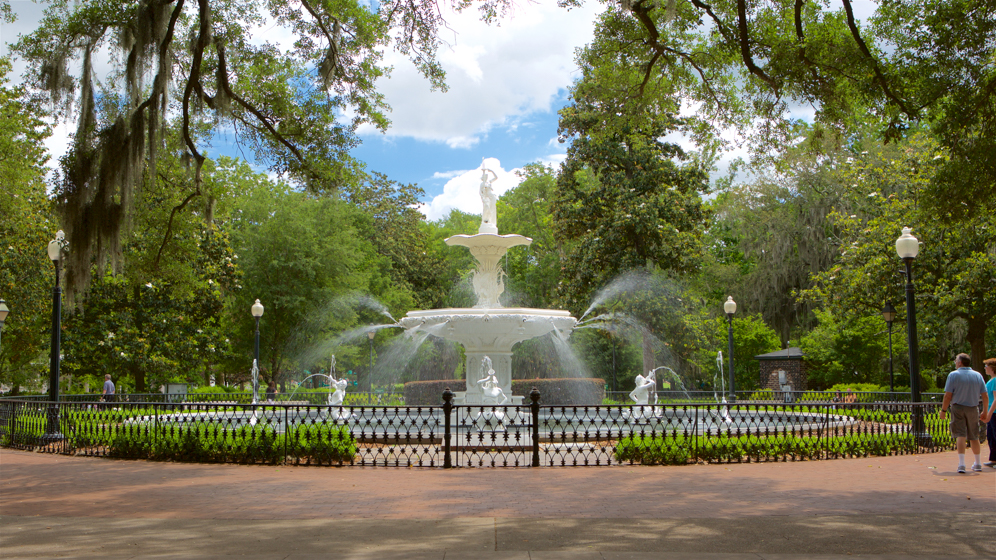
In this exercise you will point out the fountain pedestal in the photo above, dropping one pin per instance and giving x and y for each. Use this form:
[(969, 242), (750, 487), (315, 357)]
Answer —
[(488, 329)]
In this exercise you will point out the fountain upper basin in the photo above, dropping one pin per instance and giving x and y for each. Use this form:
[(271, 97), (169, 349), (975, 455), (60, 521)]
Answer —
[(489, 329)]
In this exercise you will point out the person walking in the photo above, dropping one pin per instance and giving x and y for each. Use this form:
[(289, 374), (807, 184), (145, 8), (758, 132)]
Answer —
[(990, 366), (107, 395), (962, 390)]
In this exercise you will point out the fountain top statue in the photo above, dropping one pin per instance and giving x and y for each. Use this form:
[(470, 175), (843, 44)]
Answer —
[(489, 216), (488, 247)]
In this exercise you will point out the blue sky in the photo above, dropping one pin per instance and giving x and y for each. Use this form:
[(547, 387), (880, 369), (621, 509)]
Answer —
[(506, 84), (428, 163)]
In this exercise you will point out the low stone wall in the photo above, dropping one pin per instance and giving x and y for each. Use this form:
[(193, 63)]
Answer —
[(554, 392)]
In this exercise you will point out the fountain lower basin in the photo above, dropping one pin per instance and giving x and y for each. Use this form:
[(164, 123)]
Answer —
[(489, 332)]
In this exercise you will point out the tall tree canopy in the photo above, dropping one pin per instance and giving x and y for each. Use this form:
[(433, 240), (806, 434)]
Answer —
[(203, 64), (925, 62), (27, 225)]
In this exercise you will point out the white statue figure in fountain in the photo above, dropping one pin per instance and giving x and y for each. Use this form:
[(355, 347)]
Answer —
[(489, 215), (641, 396), (492, 395), (337, 395)]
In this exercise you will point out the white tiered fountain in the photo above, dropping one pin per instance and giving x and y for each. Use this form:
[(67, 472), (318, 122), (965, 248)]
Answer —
[(488, 329)]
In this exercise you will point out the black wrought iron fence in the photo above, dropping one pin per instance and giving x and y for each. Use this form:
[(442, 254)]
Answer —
[(473, 435), (670, 396), (311, 396)]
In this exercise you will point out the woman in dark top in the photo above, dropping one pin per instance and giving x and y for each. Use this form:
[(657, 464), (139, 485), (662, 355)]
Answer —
[(271, 391)]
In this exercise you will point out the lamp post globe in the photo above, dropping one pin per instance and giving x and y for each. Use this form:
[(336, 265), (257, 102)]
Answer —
[(908, 247), (730, 307), (56, 248), (889, 314)]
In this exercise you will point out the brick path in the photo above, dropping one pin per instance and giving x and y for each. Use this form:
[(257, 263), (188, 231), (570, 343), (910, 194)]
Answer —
[(914, 504), (39, 484)]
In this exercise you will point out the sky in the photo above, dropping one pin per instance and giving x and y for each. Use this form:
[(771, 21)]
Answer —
[(506, 84)]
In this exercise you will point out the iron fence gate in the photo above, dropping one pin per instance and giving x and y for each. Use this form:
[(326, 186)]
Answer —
[(526, 435)]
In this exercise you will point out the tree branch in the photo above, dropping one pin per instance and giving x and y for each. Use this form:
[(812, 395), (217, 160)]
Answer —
[(194, 80), (752, 67), (169, 225), (879, 76), (223, 72)]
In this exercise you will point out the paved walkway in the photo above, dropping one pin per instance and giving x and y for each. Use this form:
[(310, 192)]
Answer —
[(912, 506)]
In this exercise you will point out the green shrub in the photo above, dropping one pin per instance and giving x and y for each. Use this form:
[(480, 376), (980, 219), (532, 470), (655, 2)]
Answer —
[(677, 450), (322, 444)]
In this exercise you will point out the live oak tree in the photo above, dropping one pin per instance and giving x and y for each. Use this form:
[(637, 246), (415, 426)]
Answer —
[(956, 291), (623, 202), (772, 233), (912, 63), (201, 62)]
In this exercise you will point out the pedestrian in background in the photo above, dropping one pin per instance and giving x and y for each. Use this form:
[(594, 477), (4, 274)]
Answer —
[(107, 395), (961, 394), (991, 425)]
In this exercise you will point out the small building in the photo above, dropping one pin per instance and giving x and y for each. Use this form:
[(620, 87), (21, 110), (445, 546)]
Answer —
[(783, 371)]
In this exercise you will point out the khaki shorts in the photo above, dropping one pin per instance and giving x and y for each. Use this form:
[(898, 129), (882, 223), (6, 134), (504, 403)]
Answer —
[(964, 421)]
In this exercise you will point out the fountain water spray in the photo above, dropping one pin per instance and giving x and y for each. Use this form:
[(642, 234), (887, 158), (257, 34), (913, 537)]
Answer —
[(254, 374)]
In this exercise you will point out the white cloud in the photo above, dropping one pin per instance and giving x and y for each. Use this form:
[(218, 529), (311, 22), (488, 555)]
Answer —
[(462, 192), (496, 73)]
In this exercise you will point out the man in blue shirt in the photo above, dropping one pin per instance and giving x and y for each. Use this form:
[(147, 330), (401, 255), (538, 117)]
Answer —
[(961, 394), (108, 393)]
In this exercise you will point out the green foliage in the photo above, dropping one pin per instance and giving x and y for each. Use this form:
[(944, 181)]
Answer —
[(751, 337), (28, 223), (956, 295), (850, 350), (622, 204), (678, 449), (533, 272), (164, 330), (285, 105), (299, 254)]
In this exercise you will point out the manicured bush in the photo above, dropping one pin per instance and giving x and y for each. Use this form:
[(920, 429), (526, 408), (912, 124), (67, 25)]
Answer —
[(321, 444), (678, 449)]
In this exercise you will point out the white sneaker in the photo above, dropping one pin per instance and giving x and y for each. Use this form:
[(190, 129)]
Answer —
[(961, 469), (977, 468)]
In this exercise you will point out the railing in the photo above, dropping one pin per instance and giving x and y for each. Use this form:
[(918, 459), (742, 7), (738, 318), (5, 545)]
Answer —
[(398, 399), (472, 436), (301, 397), (769, 396)]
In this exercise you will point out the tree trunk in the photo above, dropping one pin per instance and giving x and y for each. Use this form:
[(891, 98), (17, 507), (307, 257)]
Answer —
[(137, 372), (977, 339), (139, 375)]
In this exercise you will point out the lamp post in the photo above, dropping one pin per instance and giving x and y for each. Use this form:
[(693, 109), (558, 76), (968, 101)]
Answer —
[(257, 312), (908, 247), (370, 337), (55, 250), (889, 314), (4, 311), (730, 307)]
